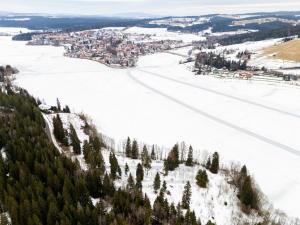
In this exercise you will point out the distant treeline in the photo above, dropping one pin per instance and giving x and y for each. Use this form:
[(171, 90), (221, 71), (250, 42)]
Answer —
[(261, 35), (24, 36), (70, 23)]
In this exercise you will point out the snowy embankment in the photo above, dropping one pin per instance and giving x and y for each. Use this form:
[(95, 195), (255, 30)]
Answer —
[(218, 202), (162, 102), (78, 124)]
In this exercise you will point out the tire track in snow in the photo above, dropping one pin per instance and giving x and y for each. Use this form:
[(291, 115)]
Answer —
[(216, 119), (222, 94)]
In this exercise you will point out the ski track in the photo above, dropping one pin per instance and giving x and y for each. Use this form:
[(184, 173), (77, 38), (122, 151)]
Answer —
[(222, 94), (216, 119)]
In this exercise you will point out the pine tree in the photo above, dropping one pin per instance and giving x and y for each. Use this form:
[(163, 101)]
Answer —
[(108, 186), (59, 131), (146, 160), (190, 218), (164, 187), (75, 142), (172, 161), (66, 109), (202, 178), (130, 182), (126, 169), (208, 163), (189, 161), (114, 166), (156, 183), (186, 197), (210, 223), (247, 194), (214, 168), (139, 173), (153, 156), (128, 149), (58, 105), (135, 150)]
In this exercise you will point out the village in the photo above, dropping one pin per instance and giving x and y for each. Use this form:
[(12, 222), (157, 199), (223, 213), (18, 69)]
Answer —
[(108, 46)]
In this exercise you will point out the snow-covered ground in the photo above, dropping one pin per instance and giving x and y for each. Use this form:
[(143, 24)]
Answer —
[(11, 31), (164, 34), (181, 21), (211, 33), (161, 102)]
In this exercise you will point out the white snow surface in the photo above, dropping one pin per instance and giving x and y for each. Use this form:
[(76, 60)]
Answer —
[(164, 34), (11, 31), (250, 122)]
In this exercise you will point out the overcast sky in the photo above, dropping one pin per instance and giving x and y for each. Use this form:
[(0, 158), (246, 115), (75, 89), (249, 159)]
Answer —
[(157, 7)]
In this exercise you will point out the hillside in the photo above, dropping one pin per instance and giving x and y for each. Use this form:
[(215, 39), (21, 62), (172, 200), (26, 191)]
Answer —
[(286, 51)]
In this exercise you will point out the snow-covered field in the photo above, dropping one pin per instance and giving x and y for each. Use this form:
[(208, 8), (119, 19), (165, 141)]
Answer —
[(11, 31), (161, 102), (181, 21), (210, 33), (164, 34)]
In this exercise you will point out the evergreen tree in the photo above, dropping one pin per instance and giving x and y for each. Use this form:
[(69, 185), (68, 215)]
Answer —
[(190, 218), (164, 187), (52, 216), (189, 161), (75, 142), (208, 163), (214, 168), (58, 105), (114, 166), (108, 186), (139, 173), (210, 223), (186, 197), (146, 160), (128, 149), (153, 156), (92, 155), (247, 194), (172, 161), (66, 109), (135, 150), (126, 169), (156, 183), (130, 182), (59, 131), (202, 178)]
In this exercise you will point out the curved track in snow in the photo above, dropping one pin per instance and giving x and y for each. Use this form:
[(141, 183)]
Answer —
[(222, 94), (215, 119)]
